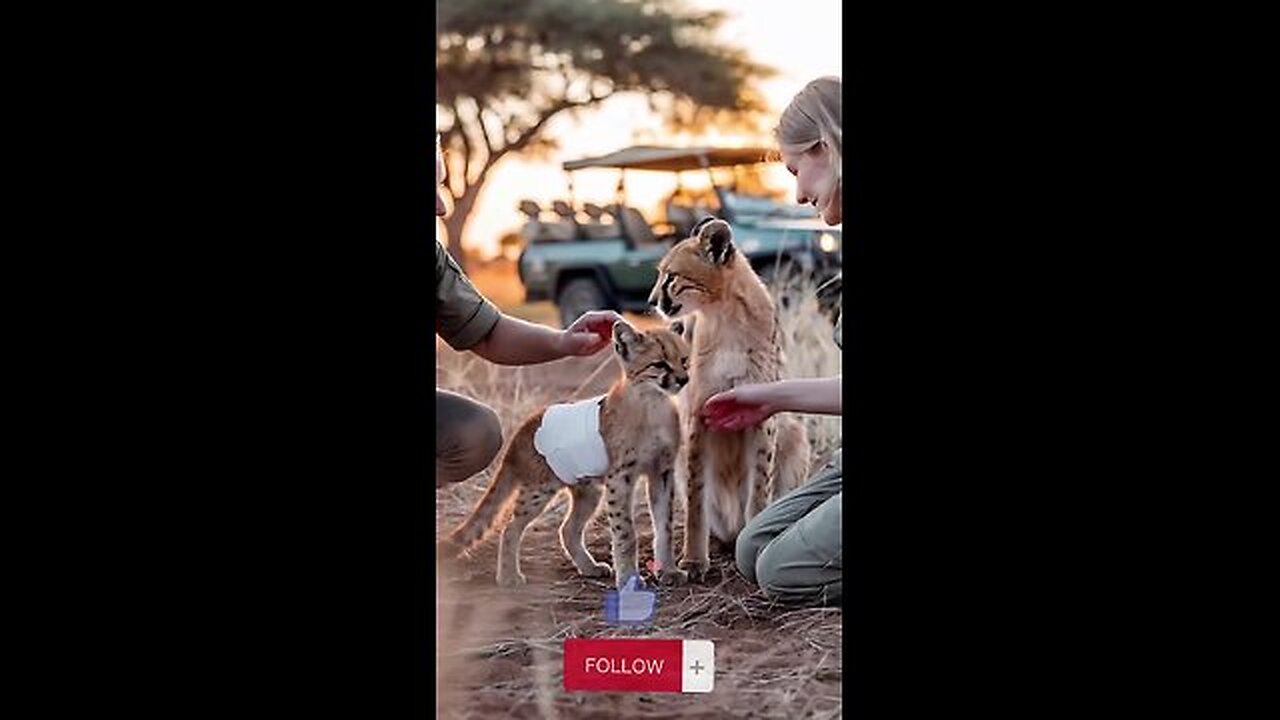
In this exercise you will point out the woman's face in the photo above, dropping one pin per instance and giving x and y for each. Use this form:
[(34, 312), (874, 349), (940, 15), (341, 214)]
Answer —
[(815, 181)]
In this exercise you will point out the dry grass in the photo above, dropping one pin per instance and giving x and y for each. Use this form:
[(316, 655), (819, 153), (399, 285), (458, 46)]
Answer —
[(809, 351), (499, 652)]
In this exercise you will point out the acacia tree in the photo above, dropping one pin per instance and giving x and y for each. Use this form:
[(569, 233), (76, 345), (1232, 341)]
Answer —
[(504, 69)]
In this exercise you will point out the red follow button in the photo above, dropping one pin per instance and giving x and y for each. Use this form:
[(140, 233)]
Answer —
[(639, 664)]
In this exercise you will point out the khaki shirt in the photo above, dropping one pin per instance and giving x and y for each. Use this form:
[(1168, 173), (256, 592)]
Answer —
[(463, 316)]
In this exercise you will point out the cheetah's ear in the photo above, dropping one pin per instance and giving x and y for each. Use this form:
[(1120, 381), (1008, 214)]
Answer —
[(623, 337), (717, 241), (698, 225)]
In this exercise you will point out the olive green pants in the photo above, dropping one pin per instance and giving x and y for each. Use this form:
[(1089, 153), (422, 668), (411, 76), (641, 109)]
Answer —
[(468, 437), (792, 549)]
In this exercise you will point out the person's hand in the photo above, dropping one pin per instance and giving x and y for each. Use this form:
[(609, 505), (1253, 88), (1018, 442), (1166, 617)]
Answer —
[(742, 407), (590, 333)]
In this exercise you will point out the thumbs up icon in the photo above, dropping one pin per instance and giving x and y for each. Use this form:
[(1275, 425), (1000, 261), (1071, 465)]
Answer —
[(633, 604)]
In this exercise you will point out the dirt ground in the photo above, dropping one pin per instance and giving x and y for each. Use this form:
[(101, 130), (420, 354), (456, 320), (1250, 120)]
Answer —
[(499, 651)]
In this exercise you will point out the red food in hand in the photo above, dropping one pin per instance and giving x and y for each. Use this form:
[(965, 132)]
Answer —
[(730, 414)]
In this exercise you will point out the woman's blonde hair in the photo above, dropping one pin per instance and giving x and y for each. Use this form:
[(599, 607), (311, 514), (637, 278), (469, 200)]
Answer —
[(813, 117)]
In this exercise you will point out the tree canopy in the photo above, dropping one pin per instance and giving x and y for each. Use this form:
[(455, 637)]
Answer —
[(504, 69)]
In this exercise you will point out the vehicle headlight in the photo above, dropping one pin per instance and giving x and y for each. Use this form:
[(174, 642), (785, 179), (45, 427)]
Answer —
[(828, 242)]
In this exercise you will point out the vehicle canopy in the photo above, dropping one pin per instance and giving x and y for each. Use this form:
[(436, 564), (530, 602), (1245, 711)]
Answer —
[(670, 159), (732, 206)]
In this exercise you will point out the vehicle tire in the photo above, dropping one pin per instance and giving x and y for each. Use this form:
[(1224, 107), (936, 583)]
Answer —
[(579, 295)]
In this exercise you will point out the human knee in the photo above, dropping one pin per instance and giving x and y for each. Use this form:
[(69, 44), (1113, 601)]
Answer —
[(774, 580), (768, 571), (476, 439), (747, 549), (783, 573), (485, 432)]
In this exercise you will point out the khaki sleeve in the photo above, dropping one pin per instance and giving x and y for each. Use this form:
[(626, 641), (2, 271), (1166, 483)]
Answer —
[(463, 316)]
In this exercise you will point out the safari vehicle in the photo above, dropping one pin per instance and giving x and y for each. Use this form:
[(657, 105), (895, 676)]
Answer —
[(592, 257)]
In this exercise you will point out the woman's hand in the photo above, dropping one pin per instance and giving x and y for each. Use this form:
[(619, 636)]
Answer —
[(749, 405), (589, 334), (742, 407)]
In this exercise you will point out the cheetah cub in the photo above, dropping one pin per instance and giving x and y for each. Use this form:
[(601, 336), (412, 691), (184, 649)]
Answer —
[(597, 446)]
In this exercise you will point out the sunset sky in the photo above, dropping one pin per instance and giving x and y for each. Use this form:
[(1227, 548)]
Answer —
[(800, 38)]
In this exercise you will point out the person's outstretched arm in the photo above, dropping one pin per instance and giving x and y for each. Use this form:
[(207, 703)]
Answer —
[(513, 341), (748, 405)]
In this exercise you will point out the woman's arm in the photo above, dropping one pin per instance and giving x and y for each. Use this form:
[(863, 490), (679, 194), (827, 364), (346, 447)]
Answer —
[(516, 342), (748, 405), (817, 395)]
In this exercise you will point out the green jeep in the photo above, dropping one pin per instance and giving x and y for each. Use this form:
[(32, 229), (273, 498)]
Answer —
[(593, 257)]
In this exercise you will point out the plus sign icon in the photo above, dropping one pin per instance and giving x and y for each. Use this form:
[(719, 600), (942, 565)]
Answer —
[(699, 673)]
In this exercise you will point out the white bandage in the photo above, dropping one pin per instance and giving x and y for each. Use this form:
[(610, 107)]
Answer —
[(570, 441)]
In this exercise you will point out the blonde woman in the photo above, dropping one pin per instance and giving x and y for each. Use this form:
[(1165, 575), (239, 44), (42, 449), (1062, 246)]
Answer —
[(792, 549)]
